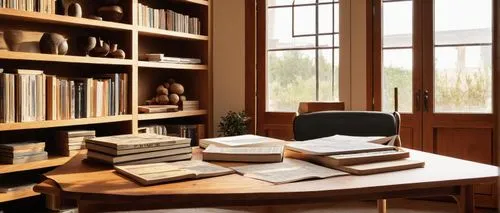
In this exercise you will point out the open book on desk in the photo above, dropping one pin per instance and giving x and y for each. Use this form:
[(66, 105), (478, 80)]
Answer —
[(333, 146), (149, 174), (241, 140), (290, 170)]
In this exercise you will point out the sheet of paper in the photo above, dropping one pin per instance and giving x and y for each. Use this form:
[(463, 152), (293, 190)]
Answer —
[(324, 146), (290, 170), (264, 150), (201, 168)]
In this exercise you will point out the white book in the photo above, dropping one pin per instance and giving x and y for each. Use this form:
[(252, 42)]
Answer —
[(259, 154), (241, 140)]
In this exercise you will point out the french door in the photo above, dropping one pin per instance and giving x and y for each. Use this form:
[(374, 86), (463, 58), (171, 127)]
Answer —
[(440, 55)]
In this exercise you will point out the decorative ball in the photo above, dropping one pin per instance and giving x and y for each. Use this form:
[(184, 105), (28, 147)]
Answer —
[(161, 90), (174, 98), (177, 88), (183, 98), (53, 43), (171, 81), (166, 85), (75, 10), (162, 99)]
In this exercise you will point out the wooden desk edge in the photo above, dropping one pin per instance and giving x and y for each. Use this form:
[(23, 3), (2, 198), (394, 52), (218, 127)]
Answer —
[(48, 187)]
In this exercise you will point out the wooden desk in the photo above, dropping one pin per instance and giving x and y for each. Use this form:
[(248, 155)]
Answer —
[(99, 188)]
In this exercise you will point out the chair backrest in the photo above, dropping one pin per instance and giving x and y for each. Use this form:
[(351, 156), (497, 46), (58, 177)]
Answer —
[(327, 123)]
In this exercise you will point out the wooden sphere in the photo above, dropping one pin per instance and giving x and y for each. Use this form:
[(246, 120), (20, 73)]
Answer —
[(183, 98), (177, 88), (162, 99), (174, 98), (166, 85), (161, 90)]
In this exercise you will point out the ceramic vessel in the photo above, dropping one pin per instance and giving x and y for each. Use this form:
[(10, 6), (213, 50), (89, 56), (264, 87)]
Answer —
[(86, 44), (53, 43), (116, 53), (100, 50), (75, 10), (111, 13), (13, 39)]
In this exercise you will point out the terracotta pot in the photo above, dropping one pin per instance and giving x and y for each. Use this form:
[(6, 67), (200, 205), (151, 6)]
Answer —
[(75, 10), (53, 43), (111, 13), (100, 50), (13, 39)]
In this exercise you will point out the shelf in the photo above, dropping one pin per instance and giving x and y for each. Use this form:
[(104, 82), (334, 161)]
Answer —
[(153, 32), (61, 123), (200, 2), (5, 197), (9, 55), (180, 114), (160, 65), (43, 18), (51, 162)]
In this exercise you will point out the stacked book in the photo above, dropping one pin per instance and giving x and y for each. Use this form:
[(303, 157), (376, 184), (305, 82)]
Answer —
[(190, 105), (43, 6), (243, 148), (17, 153), (30, 95), (138, 149), (154, 129), (160, 57), (355, 155), (73, 140), (167, 20)]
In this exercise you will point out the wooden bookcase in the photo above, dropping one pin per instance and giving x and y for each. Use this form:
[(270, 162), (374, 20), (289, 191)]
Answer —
[(143, 76)]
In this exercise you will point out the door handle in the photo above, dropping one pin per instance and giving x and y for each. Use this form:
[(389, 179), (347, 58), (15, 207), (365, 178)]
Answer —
[(417, 100), (426, 100)]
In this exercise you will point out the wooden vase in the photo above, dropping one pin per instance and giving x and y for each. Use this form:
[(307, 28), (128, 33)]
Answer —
[(13, 39), (75, 10), (53, 43)]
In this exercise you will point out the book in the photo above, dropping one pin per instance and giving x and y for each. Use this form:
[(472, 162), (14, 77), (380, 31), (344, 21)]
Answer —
[(333, 146), (264, 154), (170, 158), (23, 147), (158, 108), (290, 170), (139, 156), (333, 161), (24, 159), (380, 167), (155, 173), (241, 140), (138, 141), (115, 152)]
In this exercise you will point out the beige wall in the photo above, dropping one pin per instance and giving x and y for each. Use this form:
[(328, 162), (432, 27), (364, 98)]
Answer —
[(228, 57)]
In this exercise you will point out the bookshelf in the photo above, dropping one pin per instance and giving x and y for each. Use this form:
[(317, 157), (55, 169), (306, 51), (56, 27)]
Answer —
[(143, 76)]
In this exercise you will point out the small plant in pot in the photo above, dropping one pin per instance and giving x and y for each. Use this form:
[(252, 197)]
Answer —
[(233, 123)]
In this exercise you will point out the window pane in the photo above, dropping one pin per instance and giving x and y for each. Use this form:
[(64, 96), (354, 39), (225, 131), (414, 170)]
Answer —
[(326, 40), (279, 30), (397, 72), (328, 87), (397, 24), (291, 78), (288, 2), (305, 19), (336, 18), (325, 18), (465, 22), (462, 79)]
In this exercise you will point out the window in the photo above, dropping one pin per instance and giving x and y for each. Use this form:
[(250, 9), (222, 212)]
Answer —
[(463, 56), (397, 55), (302, 53)]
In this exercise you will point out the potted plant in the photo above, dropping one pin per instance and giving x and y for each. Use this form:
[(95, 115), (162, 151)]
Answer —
[(233, 123)]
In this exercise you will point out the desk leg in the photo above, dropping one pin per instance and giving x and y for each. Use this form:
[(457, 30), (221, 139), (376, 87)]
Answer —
[(466, 199), (382, 206)]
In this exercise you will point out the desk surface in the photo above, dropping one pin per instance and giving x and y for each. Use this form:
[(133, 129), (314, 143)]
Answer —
[(94, 182)]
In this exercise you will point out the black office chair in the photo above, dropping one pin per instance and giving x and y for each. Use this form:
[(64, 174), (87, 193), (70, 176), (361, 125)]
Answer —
[(328, 123)]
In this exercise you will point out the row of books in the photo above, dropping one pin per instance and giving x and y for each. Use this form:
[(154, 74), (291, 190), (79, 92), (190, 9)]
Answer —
[(192, 131), (30, 95), (73, 140), (43, 6), (167, 20)]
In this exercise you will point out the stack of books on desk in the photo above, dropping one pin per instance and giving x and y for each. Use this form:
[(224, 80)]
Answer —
[(355, 155), (138, 149), (243, 148), (17, 153), (73, 140)]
